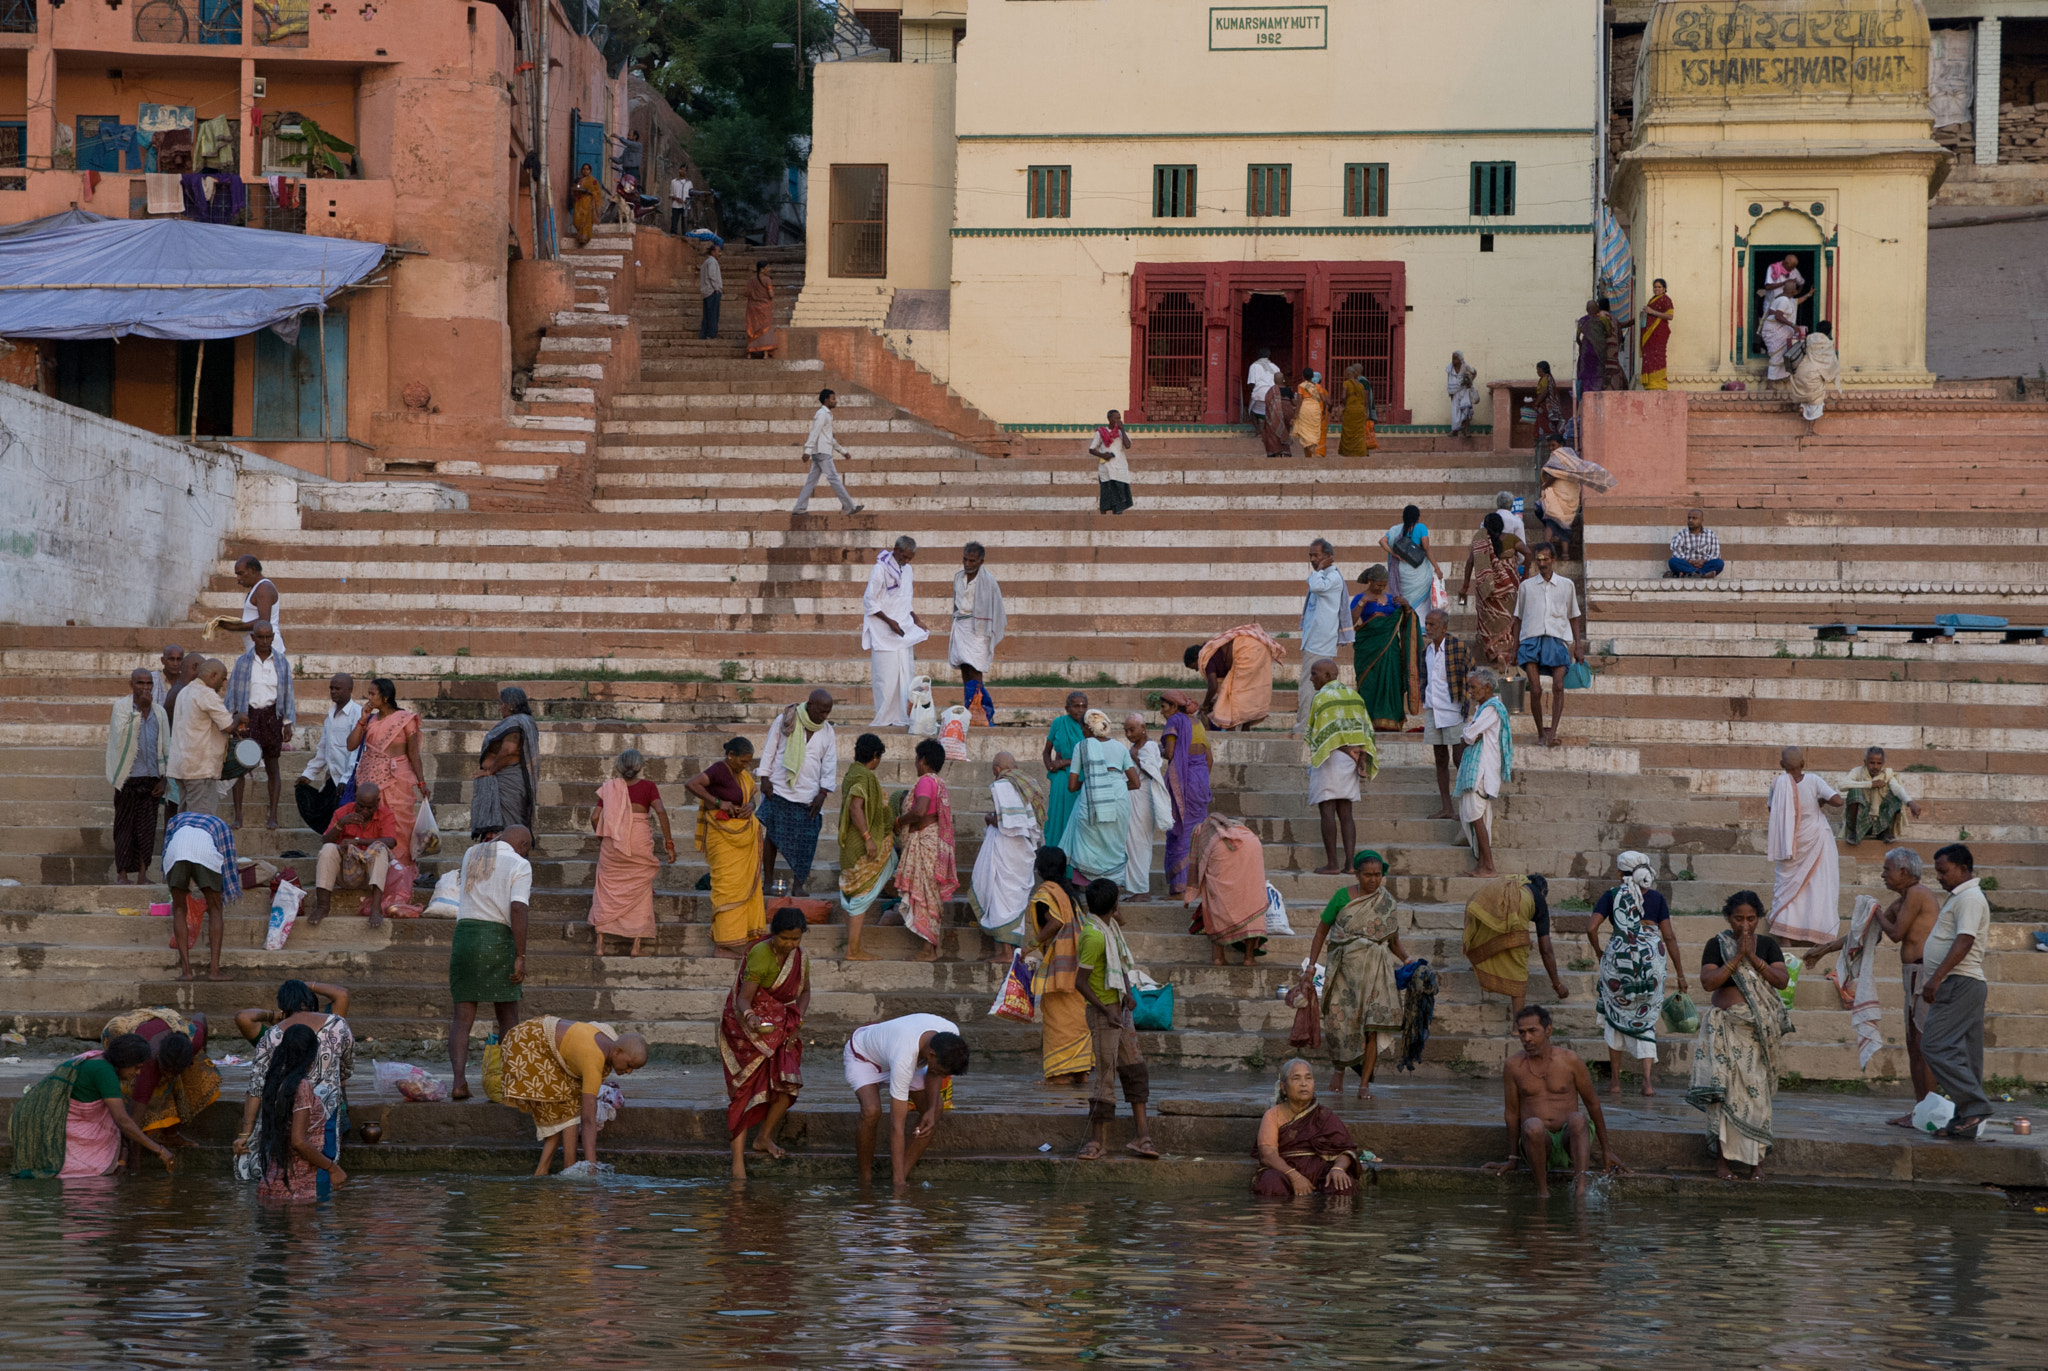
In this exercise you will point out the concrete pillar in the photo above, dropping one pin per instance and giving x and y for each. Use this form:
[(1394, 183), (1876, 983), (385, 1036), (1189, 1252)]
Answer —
[(42, 98), (250, 142), (1988, 45)]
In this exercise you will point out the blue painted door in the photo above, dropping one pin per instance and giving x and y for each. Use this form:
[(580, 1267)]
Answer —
[(102, 141), (288, 382), (589, 148)]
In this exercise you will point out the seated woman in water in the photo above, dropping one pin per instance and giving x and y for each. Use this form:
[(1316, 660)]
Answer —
[(298, 1003), (71, 1122), (1302, 1146), (177, 1082), (761, 1036), (553, 1070), (293, 1121), (1735, 1058)]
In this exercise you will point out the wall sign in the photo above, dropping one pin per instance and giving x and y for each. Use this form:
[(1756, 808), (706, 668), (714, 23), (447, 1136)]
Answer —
[(1250, 28)]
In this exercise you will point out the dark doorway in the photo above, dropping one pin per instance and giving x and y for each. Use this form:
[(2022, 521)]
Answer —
[(1268, 323), (1761, 260), (216, 388), (85, 373)]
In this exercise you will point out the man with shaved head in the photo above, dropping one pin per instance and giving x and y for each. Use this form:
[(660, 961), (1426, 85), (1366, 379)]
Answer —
[(138, 746), (173, 659), (1012, 833), (201, 728), (319, 787), (1151, 808), (799, 767), (1806, 894)]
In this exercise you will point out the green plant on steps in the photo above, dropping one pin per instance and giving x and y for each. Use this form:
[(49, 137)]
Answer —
[(462, 652), (1987, 883), (1687, 874), (1581, 964), (1923, 767), (728, 671), (419, 652), (323, 153)]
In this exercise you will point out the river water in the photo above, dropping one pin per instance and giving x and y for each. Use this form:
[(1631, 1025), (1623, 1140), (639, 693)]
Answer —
[(470, 1271)]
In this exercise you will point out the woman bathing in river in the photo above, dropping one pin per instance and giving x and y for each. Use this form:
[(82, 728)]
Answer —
[(760, 1037), (1302, 1146)]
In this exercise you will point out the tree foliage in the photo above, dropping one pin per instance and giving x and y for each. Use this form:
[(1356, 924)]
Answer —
[(716, 61)]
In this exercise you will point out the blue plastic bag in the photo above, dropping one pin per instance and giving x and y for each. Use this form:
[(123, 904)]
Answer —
[(1578, 676), (1154, 1011)]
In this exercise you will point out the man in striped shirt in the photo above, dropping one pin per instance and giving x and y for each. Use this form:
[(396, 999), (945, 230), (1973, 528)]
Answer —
[(1694, 551)]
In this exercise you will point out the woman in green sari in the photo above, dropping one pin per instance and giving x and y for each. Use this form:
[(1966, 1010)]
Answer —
[(1058, 754), (71, 1122), (1361, 1006), (867, 840), (1383, 651)]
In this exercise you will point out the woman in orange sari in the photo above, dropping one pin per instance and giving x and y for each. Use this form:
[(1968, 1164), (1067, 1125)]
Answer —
[(762, 336), (760, 1037), (390, 760), (583, 213), (1312, 419), (1657, 314), (1493, 551), (623, 904)]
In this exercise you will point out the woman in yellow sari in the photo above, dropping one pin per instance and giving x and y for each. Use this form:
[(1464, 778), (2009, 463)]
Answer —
[(583, 213), (1055, 930), (177, 1083), (1357, 439), (1312, 420), (729, 836)]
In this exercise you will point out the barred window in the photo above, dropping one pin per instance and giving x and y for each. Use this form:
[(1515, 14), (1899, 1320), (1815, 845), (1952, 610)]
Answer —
[(1493, 188), (1173, 192), (1046, 192), (1365, 190), (1266, 190)]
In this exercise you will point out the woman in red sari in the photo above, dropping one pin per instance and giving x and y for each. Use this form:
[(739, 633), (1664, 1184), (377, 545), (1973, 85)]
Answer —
[(1493, 552), (760, 1037), (390, 741), (1302, 1146)]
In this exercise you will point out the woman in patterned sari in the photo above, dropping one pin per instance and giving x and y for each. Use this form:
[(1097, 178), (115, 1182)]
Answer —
[(177, 1083), (1493, 551), (1735, 1058), (1054, 930), (1382, 650), (1184, 744), (867, 841), (928, 873), (1629, 991), (1361, 1006), (760, 1037), (390, 760)]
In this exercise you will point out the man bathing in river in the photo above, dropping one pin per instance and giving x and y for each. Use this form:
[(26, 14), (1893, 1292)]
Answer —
[(905, 1053), (1545, 1086)]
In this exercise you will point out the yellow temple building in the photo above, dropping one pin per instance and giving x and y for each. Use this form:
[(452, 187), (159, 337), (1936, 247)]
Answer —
[(1796, 129)]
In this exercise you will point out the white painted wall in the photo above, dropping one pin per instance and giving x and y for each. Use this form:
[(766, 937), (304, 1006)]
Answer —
[(103, 524)]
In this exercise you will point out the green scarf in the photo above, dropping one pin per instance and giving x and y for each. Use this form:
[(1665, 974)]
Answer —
[(800, 730), (860, 783), (1337, 718)]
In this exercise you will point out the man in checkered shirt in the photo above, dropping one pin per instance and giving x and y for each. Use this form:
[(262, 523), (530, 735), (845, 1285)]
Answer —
[(1694, 551)]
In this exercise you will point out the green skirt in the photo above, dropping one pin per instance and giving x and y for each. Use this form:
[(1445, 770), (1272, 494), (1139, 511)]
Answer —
[(480, 963)]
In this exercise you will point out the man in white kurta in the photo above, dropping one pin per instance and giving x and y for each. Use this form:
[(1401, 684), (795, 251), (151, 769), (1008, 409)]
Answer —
[(1806, 890), (890, 631), (1151, 808), (1005, 871)]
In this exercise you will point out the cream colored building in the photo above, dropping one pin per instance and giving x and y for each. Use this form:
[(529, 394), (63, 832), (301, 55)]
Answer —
[(1067, 206), (1799, 129)]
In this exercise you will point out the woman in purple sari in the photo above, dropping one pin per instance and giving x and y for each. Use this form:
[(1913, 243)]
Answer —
[(1593, 339), (1185, 746)]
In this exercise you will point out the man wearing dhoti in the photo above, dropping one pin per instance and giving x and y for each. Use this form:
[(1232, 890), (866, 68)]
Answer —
[(1877, 803), (1341, 754), (1151, 808), (1806, 893), (1237, 666), (1004, 875), (978, 625), (890, 631)]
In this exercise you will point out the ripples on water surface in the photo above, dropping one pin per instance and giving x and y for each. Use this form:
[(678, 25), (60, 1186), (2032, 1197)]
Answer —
[(440, 1272)]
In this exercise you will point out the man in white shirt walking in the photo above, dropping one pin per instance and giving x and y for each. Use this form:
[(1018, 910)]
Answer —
[(797, 771), (819, 449), (711, 286), (890, 631), (678, 202), (318, 791), (1552, 632)]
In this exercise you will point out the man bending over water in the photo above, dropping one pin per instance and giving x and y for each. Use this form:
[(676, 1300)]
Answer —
[(1545, 1087), (905, 1053)]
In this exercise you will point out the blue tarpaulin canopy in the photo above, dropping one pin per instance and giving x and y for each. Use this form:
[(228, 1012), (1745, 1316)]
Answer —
[(79, 275)]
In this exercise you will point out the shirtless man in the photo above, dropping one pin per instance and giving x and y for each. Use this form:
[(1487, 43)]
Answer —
[(1906, 921), (1545, 1087)]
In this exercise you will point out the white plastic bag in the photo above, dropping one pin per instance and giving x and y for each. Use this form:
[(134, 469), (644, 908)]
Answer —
[(1276, 914), (610, 1100), (284, 912), (1439, 596), (953, 732), (924, 719), (447, 901), (426, 834), (412, 1082), (1934, 1113)]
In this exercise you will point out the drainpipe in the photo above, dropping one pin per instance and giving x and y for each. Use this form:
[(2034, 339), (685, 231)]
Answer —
[(544, 198)]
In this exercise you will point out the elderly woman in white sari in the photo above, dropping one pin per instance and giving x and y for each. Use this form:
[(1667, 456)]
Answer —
[(1778, 326), (978, 626), (1735, 1059), (1819, 367), (1102, 778), (1459, 384), (1004, 873), (1151, 808)]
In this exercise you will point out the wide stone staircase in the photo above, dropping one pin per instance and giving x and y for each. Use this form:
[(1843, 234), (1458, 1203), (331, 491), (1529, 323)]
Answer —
[(684, 603)]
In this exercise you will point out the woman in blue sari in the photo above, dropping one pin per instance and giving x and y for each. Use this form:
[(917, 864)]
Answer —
[(1100, 781), (1060, 741)]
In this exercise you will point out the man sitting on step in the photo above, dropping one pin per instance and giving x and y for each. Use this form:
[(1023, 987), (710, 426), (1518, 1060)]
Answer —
[(357, 854), (1695, 551)]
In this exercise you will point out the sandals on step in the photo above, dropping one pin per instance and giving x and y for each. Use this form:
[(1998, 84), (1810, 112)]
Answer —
[(1963, 1130)]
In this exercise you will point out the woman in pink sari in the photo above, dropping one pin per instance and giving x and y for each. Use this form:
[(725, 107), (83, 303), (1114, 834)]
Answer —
[(390, 741), (1228, 886), (927, 875), (626, 869)]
